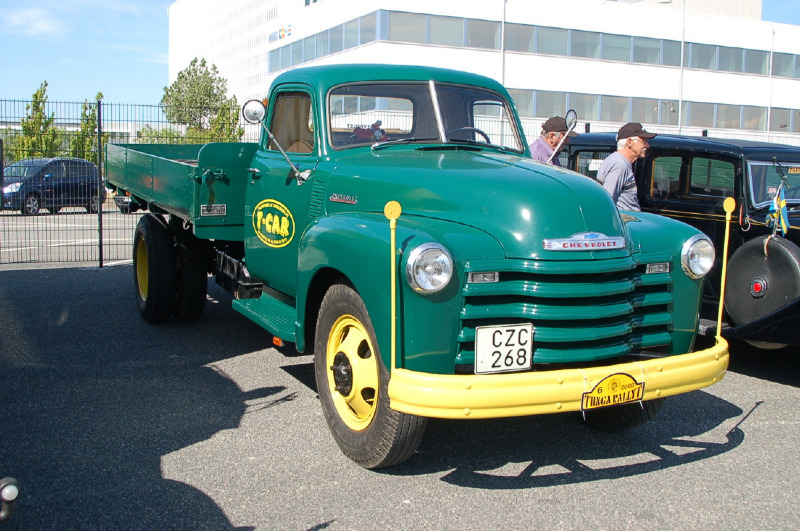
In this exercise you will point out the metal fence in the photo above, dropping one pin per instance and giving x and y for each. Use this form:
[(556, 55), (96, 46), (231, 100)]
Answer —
[(76, 129)]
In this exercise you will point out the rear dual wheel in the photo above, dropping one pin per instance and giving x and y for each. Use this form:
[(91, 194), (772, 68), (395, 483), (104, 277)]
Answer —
[(353, 385), (169, 272), (153, 268)]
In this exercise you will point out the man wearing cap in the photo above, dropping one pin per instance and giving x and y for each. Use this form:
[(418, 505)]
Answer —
[(553, 130), (616, 172)]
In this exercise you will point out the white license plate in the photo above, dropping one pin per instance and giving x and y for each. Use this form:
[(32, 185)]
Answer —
[(503, 348)]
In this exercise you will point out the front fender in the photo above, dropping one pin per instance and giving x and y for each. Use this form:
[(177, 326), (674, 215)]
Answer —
[(357, 246)]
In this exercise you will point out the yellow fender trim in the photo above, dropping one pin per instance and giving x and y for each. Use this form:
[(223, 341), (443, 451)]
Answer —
[(534, 393)]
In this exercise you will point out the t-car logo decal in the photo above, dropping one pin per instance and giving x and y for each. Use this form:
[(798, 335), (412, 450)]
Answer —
[(273, 223)]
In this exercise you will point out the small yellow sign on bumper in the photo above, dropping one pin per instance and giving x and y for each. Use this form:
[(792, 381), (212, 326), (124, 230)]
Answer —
[(613, 390)]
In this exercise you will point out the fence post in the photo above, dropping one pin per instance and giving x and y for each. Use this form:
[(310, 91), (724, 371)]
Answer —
[(100, 189), (2, 173)]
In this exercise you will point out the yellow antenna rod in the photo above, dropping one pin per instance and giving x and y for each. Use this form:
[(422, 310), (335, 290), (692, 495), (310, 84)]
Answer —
[(729, 205), (392, 211)]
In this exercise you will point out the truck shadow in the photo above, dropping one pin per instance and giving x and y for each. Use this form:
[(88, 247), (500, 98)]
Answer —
[(92, 398), (544, 451)]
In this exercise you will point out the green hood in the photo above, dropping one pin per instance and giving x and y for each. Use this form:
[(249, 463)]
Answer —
[(518, 201)]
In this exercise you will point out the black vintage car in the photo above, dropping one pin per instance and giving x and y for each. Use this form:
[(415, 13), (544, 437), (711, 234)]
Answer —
[(687, 178)]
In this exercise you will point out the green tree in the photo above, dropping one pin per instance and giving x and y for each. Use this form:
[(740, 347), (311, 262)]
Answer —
[(40, 137), (195, 96), (225, 125), (83, 143)]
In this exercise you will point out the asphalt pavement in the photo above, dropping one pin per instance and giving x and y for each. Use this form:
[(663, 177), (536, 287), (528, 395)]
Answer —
[(110, 423)]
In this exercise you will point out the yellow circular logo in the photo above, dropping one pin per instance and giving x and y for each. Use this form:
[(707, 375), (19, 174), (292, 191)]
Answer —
[(273, 223)]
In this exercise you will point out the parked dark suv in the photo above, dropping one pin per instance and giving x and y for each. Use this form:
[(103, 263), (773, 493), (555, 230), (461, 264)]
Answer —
[(687, 178), (32, 185)]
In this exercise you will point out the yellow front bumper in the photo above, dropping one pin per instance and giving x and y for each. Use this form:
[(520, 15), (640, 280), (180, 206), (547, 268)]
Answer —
[(537, 393)]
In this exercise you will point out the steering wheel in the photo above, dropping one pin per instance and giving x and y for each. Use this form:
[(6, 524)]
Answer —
[(469, 130)]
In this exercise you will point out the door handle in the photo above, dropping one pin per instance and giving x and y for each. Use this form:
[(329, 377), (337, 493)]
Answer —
[(255, 173)]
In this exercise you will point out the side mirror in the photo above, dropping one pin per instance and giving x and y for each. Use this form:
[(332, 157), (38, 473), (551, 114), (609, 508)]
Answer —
[(47, 176), (254, 111)]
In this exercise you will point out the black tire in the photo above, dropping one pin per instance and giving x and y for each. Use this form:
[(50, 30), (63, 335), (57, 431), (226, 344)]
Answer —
[(352, 382), (32, 205), (154, 268), (191, 281), (617, 418)]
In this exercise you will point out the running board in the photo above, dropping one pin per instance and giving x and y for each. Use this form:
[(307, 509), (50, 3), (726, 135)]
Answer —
[(277, 317)]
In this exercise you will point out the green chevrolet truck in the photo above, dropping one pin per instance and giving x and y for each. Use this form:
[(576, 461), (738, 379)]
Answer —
[(392, 222)]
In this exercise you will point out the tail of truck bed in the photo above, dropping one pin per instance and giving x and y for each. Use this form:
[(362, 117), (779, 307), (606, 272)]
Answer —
[(202, 183)]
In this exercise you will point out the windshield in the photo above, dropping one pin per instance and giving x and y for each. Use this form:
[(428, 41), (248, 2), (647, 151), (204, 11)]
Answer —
[(23, 170), (366, 114), (765, 178)]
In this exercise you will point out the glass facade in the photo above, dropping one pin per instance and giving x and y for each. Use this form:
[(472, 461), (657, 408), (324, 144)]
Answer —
[(521, 38)]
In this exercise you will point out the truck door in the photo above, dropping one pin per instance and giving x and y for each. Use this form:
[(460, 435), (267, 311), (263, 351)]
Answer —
[(276, 212)]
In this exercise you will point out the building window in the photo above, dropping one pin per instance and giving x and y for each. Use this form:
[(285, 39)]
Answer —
[(782, 64), (614, 109), (523, 101), (644, 110), (671, 55), (780, 120), (698, 114), (310, 48), (337, 39), (583, 104), (551, 104), (519, 38), (618, 48), (754, 118), (702, 56), (407, 27), (483, 34), (552, 41), (584, 44), (729, 116), (731, 59), (646, 50), (274, 60), (368, 28), (756, 61), (297, 53), (323, 44), (447, 31), (351, 34)]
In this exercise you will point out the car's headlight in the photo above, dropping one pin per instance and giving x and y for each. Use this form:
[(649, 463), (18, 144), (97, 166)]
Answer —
[(12, 188), (429, 268), (697, 256)]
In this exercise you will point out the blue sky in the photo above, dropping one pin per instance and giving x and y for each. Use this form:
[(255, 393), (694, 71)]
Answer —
[(118, 47)]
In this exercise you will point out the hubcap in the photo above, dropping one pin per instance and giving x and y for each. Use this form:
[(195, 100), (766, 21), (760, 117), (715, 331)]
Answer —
[(353, 372)]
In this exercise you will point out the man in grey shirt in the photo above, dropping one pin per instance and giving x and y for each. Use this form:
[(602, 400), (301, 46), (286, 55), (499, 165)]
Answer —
[(616, 172)]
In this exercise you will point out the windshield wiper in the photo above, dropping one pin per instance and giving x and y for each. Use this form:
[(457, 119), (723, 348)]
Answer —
[(400, 141)]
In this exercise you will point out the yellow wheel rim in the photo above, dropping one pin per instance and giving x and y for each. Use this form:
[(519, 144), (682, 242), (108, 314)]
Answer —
[(353, 380), (141, 269)]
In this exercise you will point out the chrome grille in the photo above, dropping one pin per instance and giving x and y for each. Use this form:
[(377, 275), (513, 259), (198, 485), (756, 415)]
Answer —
[(581, 310)]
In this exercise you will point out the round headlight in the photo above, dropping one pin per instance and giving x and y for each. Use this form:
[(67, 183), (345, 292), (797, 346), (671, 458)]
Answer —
[(429, 268), (697, 256)]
